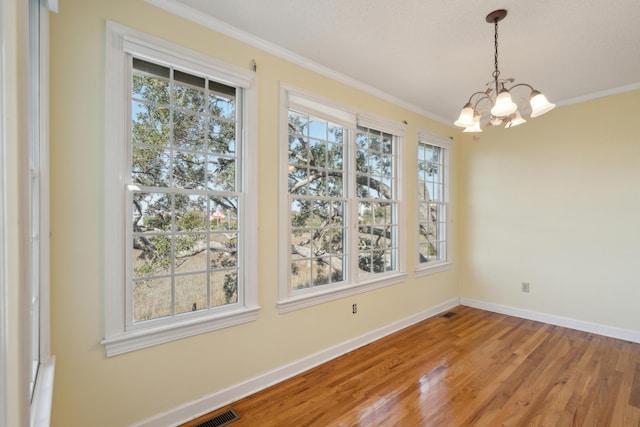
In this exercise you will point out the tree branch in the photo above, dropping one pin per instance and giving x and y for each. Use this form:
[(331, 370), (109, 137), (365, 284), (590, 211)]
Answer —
[(334, 262)]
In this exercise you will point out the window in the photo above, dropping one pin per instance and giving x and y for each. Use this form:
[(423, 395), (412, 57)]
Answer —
[(184, 213), (433, 202), (377, 205), (341, 230), (34, 190)]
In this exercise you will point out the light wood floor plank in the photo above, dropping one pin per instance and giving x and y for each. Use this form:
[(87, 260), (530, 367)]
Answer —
[(476, 368)]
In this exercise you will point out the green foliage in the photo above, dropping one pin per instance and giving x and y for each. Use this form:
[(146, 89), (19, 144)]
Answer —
[(316, 158), (183, 138)]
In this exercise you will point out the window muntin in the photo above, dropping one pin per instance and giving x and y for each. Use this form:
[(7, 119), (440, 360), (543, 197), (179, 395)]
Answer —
[(342, 230), (185, 170), (432, 203)]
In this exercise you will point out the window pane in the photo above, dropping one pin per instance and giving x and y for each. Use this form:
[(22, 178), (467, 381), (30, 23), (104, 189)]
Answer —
[(152, 212), (221, 173), (432, 210), (224, 287), (223, 213), (191, 293), (151, 299), (191, 213), (222, 106), (300, 273), (190, 253), (149, 166), (318, 128), (189, 170), (152, 255), (222, 136), (189, 97), (375, 167), (185, 233), (150, 124), (223, 249), (189, 130), (151, 88)]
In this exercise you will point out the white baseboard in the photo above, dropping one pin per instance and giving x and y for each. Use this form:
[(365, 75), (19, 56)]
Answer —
[(199, 407), (566, 322)]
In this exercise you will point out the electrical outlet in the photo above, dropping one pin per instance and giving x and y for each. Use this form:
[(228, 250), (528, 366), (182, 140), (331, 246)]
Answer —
[(354, 308), (525, 286)]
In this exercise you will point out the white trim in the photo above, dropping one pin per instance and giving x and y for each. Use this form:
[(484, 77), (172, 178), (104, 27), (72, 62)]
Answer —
[(52, 5), (373, 121), (137, 340), (296, 302), (425, 135), (432, 268), (596, 95), (121, 42), (284, 222), (348, 117), (196, 408), (4, 282), (214, 24), (43, 395), (315, 105), (40, 411), (45, 208), (114, 156), (425, 269), (565, 322)]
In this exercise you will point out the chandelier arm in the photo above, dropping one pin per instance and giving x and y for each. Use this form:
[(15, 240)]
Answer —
[(478, 93), (475, 106), (522, 84)]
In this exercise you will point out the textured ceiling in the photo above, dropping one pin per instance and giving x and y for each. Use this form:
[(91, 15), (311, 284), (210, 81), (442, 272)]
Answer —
[(432, 54)]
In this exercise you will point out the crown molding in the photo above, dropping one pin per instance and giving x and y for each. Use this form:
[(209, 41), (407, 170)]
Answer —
[(176, 8)]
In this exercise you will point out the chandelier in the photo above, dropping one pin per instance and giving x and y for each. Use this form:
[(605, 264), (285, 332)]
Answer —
[(502, 109)]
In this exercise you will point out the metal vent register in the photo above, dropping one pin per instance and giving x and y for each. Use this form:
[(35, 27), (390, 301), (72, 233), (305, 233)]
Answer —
[(227, 417)]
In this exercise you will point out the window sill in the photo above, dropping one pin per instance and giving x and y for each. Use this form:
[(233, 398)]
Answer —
[(139, 339), (425, 270), (43, 395), (320, 296)]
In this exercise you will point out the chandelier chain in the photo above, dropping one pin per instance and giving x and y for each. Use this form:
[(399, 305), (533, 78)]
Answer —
[(496, 72), (501, 108)]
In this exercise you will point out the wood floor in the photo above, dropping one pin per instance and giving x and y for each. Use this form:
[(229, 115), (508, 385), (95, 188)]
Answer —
[(475, 368)]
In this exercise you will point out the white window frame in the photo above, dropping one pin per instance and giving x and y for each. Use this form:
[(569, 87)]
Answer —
[(350, 118), (122, 43), (4, 285), (41, 384), (426, 268)]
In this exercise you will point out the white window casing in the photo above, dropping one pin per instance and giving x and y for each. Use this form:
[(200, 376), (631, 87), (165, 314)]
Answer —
[(442, 258), (120, 334), (43, 363), (296, 100)]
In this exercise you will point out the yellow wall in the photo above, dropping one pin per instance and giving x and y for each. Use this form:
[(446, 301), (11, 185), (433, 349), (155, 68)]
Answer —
[(556, 203), (92, 390)]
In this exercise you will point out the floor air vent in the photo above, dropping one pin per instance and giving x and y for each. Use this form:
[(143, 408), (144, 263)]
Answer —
[(449, 314), (220, 420)]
